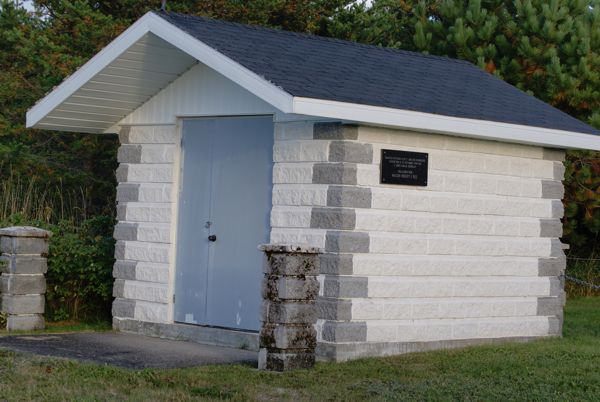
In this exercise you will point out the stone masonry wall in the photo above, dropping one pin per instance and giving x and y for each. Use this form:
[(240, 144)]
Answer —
[(472, 257), (145, 205)]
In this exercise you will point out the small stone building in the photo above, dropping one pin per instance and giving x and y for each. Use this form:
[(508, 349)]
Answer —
[(433, 187)]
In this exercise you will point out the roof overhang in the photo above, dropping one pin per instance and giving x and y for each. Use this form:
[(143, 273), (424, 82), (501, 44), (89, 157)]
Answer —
[(152, 53), (435, 123), (130, 70)]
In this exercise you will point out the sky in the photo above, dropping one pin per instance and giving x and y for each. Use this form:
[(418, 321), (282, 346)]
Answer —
[(28, 5)]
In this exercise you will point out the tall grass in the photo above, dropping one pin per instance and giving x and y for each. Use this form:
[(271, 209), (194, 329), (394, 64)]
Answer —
[(30, 199), (586, 269)]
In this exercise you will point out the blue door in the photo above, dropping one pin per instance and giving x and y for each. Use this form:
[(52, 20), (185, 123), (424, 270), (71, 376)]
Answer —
[(224, 208)]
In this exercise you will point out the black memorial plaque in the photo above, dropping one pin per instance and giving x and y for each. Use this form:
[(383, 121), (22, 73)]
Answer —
[(402, 167)]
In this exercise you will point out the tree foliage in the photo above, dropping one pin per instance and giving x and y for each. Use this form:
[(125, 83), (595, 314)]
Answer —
[(550, 49)]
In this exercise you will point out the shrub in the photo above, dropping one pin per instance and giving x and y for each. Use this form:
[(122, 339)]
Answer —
[(79, 275)]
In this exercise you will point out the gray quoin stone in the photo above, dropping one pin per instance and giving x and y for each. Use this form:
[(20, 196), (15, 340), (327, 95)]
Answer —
[(124, 308), (335, 131), (348, 151), (336, 264), (333, 218), (335, 331), (129, 154), (128, 192), (349, 196), (334, 309), (347, 242), (346, 286), (334, 173)]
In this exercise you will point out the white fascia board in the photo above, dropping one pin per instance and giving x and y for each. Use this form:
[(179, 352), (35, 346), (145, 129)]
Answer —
[(178, 38), (237, 73), (87, 71), (435, 123)]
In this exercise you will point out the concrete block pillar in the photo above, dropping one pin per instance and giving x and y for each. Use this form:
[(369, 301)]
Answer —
[(288, 337), (23, 263)]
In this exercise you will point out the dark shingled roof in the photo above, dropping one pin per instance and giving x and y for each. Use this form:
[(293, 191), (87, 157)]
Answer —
[(324, 68)]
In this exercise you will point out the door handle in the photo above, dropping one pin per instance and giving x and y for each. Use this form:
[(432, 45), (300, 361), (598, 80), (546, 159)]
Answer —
[(212, 238)]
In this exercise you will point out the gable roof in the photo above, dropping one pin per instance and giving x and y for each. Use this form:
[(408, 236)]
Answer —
[(316, 67), (307, 75)]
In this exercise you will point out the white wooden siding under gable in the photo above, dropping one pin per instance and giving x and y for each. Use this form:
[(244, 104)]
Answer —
[(200, 91)]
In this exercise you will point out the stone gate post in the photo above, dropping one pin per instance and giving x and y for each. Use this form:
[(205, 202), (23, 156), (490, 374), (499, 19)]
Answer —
[(290, 287), (23, 263)]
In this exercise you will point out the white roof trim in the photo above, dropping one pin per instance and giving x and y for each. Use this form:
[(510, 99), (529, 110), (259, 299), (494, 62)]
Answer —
[(286, 103), (458, 126), (178, 38)]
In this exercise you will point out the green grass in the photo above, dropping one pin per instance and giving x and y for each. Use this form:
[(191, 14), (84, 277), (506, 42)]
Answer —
[(64, 327), (546, 370)]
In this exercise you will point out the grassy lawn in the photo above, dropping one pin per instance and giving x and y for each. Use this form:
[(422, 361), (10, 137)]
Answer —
[(553, 369)]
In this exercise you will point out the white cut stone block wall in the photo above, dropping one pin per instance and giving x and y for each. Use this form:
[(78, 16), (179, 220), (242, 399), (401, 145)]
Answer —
[(145, 209), (475, 255)]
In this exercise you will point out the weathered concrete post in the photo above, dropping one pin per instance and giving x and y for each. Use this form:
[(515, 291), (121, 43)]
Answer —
[(22, 283), (290, 287)]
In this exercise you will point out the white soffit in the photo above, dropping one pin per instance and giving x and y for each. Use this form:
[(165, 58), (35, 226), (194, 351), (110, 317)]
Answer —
[(116, 90)]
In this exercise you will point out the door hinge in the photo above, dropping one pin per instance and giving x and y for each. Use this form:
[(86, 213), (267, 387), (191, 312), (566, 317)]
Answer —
[(173, 298)]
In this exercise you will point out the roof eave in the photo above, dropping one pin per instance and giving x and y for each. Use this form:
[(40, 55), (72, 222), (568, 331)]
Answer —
[(87, 72), (419, 121), (150, 22), (286, 103)]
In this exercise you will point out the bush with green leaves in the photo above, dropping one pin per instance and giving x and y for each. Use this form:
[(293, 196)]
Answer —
[(79, 275)]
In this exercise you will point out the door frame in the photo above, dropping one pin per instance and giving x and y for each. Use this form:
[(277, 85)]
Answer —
[(178, 166)]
